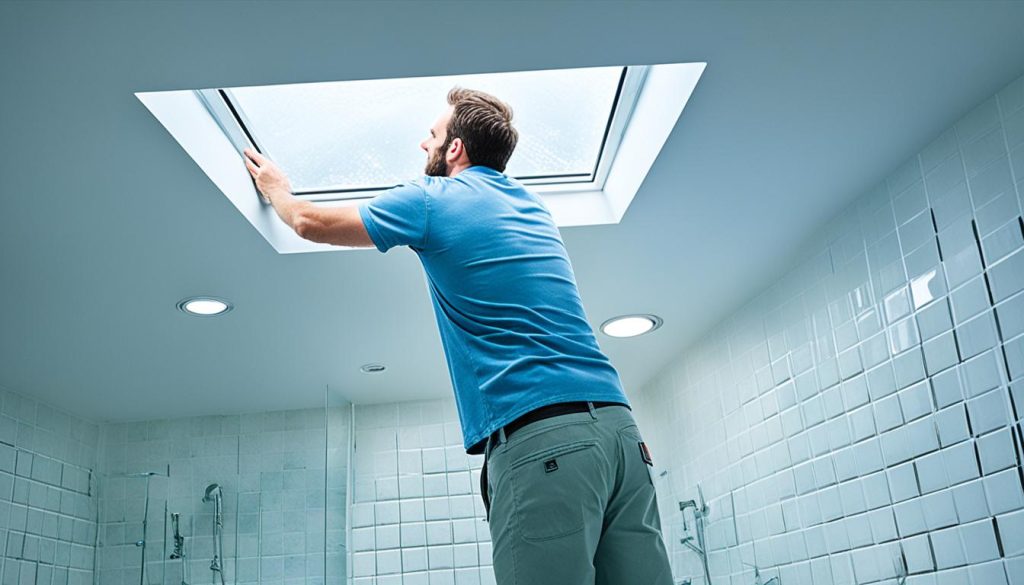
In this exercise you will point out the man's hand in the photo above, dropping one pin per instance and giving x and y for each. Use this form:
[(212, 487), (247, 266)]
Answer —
[(340, 226), (273, 185), (270, 179)]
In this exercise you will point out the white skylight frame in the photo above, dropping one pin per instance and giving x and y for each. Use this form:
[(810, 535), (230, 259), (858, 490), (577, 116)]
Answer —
[(662, 94), (232, 119)]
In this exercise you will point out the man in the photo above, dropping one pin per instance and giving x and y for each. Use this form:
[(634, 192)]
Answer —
[(566, 478)]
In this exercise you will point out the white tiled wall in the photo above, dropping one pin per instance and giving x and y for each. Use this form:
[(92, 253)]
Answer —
[(417, 515), (867, 406), (869, 403), (47, 494), (279, 514)]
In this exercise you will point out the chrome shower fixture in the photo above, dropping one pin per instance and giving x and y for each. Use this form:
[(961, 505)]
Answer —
[(179, 540), (141, 543), (214, 494), (165, 473), (700, 513), (758, 579)]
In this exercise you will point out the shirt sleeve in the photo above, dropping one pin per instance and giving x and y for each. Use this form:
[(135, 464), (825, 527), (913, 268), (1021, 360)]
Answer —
[(397, 217)]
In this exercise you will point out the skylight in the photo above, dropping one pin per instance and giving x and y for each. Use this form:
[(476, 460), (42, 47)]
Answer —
[(348, 139), (587, 137)]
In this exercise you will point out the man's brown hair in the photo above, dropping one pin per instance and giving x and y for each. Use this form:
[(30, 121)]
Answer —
[(484, 123)]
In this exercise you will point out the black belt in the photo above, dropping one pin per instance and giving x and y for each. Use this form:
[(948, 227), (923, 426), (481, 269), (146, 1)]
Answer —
[(536, 415), (532, 416)]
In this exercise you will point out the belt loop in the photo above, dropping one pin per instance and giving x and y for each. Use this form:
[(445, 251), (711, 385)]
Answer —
[(502, 439), (593, 411)]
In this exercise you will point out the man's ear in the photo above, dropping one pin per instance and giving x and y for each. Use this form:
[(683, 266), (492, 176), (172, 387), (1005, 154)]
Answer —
[(456, 151)]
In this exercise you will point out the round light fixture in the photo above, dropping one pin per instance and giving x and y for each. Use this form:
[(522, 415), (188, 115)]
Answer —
[(204, 306), (631, 325), (372, 368)]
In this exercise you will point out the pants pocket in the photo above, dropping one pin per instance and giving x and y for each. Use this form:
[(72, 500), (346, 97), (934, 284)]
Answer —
[(548, 488), (636, 451)]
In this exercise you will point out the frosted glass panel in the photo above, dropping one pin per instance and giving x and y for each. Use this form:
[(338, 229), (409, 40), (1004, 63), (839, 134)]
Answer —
[(359, 134)]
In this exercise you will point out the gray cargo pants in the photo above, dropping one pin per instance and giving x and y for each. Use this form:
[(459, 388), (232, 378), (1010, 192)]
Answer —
[(572, 503)]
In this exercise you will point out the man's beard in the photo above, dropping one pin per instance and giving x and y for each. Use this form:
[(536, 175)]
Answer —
[(436, 165)]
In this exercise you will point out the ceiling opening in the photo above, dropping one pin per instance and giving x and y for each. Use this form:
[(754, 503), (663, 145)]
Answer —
[(587, 137), (348, 139)]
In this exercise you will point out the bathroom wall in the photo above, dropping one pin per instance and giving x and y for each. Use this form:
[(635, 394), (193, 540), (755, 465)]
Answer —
[(47, 494), (417, 516), (867, 406), (283, 475)]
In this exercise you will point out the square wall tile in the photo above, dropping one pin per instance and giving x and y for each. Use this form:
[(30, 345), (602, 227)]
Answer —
[(1003, 491), (948, 548), (970, 501), (1011, 532)]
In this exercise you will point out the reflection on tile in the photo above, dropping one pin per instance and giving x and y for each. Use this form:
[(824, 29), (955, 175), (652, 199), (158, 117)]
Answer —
[(897, 305), (903, 336), (925, 288)]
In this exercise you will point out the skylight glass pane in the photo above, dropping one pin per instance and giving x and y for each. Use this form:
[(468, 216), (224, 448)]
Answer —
[(366, 134)]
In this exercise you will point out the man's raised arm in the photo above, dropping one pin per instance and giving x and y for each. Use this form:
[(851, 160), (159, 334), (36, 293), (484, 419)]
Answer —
[(340, 226)]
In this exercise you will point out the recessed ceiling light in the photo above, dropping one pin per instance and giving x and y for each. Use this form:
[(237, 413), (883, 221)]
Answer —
[(372, 368), (631, 325), (204, 306)]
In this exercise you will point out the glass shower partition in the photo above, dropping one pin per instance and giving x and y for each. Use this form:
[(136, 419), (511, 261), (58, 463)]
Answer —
[(281, 478), (339, 415)]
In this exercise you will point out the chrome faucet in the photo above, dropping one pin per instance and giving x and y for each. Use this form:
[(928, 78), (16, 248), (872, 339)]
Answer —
[(179, 545), (179, 540), (757, 577)]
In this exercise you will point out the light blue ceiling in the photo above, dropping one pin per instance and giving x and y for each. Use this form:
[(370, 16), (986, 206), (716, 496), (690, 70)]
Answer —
[(107, 223)]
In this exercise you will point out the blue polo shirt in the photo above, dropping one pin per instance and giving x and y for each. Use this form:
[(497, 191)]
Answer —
[(512, 325)]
